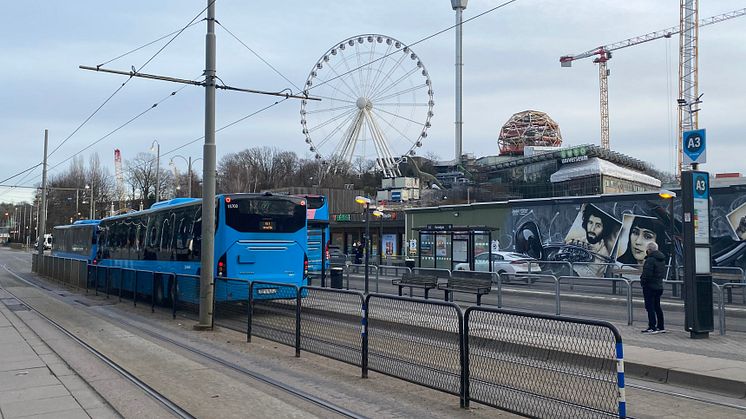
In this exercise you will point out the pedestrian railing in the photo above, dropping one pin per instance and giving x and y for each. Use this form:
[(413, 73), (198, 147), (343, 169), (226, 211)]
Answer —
[(721, 293), (359, 269), (542, 365), (421, 341), (397, 271), (437, 272), (330, 323), (628, 283)]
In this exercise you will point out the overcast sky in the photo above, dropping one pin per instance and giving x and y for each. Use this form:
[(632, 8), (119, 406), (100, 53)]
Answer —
[(511, 63)]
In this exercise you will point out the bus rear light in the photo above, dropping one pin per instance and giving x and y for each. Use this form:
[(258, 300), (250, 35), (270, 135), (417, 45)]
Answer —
[(305, 266), (222, 266), (227, 199), (326, 250)]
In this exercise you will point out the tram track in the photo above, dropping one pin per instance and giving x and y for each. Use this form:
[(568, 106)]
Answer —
[(684, 394), (178, 411), (681, 395), (169, 405)]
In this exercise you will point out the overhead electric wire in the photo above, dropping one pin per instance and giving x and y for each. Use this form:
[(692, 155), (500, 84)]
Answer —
[(499, 6), (153, 106), (147, 45), (20, 173), (191, 23), (190, 142), (128, 80), (257, 55)]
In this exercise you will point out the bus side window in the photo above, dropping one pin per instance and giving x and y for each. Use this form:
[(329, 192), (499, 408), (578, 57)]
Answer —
[(183, 233), (142, 228), (196, 244), (151, 240)]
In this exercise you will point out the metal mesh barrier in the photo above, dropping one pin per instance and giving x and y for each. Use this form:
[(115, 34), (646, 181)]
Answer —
[(273, 312), (114, 281), (330, 323), (232, 303), (187, 293), (543, 366), (416, 340)]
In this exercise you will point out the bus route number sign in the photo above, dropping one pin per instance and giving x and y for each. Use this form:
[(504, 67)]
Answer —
[(695, 146)]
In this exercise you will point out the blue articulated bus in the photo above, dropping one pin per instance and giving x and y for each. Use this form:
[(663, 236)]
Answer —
[(318, 231), (76, 241), (258, 237)]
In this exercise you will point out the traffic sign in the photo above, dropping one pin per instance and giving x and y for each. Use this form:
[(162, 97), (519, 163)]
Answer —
[(694, 146)]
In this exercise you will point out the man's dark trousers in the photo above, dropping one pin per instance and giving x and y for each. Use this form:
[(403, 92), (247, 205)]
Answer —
[(653, 307)]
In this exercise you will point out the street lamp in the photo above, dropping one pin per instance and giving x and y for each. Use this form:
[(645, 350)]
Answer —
[(189, 165), (156, 146), (363, 200), (669, 196), (93, 209)]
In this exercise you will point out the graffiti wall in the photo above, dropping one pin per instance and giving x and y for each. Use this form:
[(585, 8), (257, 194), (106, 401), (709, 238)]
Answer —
[(617, 229)]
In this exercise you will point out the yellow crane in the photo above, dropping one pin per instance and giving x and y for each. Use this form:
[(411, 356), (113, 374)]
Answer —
[(687, 62)]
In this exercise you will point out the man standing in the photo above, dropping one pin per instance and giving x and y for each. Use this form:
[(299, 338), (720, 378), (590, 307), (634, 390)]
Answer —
[(651, 280)]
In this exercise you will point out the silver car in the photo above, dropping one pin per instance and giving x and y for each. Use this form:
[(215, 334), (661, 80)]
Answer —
[(507, 264)]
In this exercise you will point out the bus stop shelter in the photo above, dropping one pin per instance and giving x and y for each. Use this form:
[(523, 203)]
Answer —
[(444, 246)]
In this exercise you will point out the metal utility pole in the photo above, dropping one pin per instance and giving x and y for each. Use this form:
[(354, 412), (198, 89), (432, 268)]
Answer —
[(208, 170), (206, 280), (688, 75), (43, 216), (93, 202), (189, 170), (156, 146), (459, 6)]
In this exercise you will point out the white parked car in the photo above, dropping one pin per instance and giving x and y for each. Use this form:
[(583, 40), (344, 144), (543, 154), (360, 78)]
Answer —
[(508, 264)]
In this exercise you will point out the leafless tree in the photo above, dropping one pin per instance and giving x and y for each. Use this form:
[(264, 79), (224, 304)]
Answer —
[(141, 176)]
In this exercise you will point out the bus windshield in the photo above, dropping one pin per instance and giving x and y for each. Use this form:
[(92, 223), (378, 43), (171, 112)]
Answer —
[(315, 202), (264, 214)]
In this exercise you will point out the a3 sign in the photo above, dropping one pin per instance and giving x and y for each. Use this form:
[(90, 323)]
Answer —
[(694, 146)]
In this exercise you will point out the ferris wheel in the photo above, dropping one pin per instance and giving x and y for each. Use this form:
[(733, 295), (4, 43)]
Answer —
[(376, 103)]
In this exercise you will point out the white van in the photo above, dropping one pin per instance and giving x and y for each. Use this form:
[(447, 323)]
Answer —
[(47, 242)]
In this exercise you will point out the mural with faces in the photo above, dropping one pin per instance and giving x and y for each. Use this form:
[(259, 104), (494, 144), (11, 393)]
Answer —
[(555, 230), (727, 226), (591, 233)]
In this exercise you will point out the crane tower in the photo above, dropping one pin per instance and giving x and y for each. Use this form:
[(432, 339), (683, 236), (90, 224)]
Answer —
[(688, 32)]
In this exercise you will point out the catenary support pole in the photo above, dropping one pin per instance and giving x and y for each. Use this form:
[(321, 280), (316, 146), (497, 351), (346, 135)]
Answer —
[(190, 176), (43, 216), (206, 281)]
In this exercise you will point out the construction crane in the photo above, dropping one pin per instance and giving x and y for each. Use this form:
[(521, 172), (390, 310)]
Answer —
[(120, 178), (603, 55)]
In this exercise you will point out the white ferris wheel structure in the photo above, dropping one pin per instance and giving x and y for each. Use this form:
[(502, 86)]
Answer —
[(376, 103)]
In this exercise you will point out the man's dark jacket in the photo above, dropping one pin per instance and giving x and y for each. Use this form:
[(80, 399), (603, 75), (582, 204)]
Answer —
[(653, 271)]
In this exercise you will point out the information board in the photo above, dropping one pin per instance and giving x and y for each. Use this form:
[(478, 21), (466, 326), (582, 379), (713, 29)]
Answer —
[(701, 213)]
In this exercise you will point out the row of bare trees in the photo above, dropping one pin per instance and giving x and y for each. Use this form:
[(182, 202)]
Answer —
[(262, 168), (89, 188)]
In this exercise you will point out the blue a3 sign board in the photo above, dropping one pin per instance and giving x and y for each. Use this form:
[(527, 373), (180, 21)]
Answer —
[(694, 146)]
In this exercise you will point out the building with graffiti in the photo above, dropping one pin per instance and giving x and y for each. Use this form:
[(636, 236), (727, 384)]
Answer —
[(592, 231)]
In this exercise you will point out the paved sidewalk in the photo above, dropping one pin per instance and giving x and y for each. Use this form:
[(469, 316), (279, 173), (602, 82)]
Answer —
[(33, 377), (716, 365)]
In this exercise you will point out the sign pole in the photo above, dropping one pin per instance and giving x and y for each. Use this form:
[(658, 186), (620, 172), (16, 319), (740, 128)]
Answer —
[(695, 188)]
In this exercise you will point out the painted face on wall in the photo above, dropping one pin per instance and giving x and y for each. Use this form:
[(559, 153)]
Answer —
[(639, 238), (594, 229), (741, 231)]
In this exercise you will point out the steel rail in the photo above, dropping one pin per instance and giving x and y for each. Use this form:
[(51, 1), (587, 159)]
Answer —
[(165, 401), (257, 376)]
